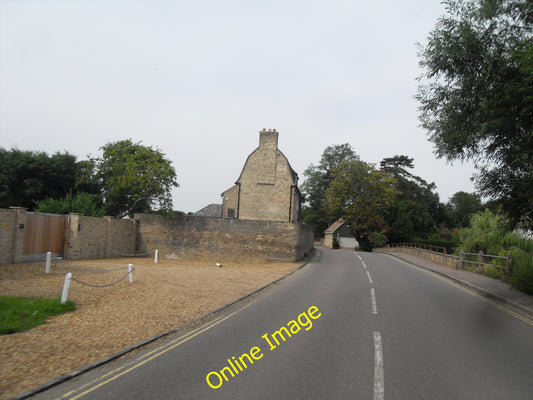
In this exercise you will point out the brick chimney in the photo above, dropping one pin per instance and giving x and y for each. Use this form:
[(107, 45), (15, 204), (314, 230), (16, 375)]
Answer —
[(268, 138)]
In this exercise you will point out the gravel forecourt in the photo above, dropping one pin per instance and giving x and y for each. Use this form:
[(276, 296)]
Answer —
[(164, 296)]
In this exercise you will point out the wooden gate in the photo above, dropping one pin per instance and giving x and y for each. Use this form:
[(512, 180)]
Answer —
[(44, 233)]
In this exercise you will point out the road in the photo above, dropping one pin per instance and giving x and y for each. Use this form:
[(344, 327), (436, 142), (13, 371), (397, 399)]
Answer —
[(349, 326)]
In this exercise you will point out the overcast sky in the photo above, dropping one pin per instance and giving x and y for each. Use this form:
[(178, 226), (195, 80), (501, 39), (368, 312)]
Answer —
[(199, 79)]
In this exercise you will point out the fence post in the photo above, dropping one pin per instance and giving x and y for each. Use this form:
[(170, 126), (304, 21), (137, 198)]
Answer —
[(48, 262), (509, 264), (66, 286), (155, 257), (480, 262), (130, 272), (462, 259)]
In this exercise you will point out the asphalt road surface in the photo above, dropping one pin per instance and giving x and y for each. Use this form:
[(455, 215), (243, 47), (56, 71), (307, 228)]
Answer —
[(347, 326)]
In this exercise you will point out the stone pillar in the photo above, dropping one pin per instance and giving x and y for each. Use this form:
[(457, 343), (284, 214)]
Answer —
[(18, 233), (12, 229)]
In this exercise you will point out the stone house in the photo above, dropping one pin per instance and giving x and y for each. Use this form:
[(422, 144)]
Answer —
[(258, 219), (267, 188), (344, 236)]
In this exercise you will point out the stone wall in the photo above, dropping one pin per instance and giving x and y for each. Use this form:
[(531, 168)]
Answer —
[(12, 222), (90, 237), (178, 237), (223, 239), (328, 240), (441, 258)]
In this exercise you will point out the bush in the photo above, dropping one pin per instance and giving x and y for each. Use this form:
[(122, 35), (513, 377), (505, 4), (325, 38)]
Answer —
[(522, 270), (84, 203), (377, 239), (335, 243), (490, 233)]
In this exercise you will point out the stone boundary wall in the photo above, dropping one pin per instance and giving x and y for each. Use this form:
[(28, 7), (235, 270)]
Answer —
[(90, 237), (174, 237), (223, 239), (441, 258)]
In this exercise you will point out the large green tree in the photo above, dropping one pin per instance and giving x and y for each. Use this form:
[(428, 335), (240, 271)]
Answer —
[(461, 207), (135, 178), (361, 195), (27, 177), (317, 180), (87, 176), (416, 208), (476, 96)]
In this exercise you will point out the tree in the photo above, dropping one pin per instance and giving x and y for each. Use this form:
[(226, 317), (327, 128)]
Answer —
[(318, 178), (476, 96), (461, 207), (361, 195), (87, 176), (415, 212), (135, 178), (27, 177)]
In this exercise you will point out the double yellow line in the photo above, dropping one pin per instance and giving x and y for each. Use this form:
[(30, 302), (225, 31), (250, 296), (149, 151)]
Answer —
[(128, 367)]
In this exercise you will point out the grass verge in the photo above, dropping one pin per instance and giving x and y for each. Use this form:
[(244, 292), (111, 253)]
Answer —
[(21, 313)]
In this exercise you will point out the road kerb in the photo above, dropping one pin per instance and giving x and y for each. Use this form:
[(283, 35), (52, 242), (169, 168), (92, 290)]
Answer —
[(517, 308)]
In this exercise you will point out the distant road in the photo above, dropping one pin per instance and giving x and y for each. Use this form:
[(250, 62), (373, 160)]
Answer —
[(347, 326)]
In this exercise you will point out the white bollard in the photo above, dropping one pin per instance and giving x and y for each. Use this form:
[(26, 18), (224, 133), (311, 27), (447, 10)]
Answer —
[(130, 272), (155, 257), (66, 286), (48, 262)]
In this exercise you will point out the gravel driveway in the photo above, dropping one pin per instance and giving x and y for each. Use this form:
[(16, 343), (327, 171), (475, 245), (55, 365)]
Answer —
[(163, 297)]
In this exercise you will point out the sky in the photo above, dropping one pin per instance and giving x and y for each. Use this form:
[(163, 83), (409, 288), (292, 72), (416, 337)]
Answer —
[(198, 80)]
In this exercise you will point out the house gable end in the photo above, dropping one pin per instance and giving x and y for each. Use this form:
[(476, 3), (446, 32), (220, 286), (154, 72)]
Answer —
[(267, 187)]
